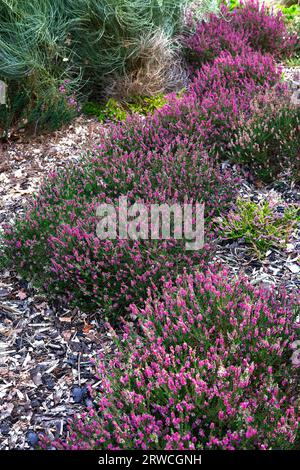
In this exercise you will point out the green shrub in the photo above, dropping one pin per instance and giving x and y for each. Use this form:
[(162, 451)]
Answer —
[(35, 62), (115, 111), (291, 12), (86, 42), (112, 110), (260, 225), (269, 142), (147, 104)]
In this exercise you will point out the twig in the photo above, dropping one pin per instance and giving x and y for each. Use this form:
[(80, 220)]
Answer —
[(78, 370)]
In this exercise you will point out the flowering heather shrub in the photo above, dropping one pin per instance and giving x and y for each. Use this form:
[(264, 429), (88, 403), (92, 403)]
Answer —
[(244, 72), (205, 115), (56, 244), (265, 29), (219, 93), (209, 367), (214, 36), (250, 25), (269, 141)]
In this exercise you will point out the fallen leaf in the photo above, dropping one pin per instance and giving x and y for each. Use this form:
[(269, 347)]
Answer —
[(22, 295)]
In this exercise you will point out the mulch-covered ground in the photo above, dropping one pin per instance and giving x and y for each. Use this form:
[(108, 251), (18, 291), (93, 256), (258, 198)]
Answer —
[(46, 350)]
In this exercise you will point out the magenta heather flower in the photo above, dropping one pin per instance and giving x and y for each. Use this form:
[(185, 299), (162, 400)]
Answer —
[(265, 29), (214, 36), (250, 26), (198, 373)]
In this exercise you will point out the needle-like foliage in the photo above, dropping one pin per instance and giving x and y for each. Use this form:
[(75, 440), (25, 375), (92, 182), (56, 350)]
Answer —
[(45, 44)]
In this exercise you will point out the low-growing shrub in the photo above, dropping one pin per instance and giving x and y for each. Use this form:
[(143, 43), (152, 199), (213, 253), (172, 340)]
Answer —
[(265, 28), (237, 29), (260, 225), (207, 113), (290, 13), (111, 111), (116, 111), (248, 70), (56, 244), (268, 142), (219, 94), (207, 367), (214, 36), (147, 104)]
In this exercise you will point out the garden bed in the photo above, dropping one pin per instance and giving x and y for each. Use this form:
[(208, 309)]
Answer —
[(230, 310)]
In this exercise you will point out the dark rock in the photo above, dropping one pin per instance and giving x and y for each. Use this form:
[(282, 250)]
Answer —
[(5, 427), (49, 381), (35, 403), (32, 438), (72, 360), (78, 394)]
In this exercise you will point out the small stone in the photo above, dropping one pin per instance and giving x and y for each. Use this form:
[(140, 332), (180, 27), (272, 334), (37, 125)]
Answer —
[(290, 247), (4, 428), (49, 381), (35, 403), (77, 394), (293, 267)]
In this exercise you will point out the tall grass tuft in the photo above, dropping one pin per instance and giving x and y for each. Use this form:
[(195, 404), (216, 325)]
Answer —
[(81, 45)]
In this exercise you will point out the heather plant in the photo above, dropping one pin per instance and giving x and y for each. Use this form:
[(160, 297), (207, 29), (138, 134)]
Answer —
[(260, 225), (238, 28), (219, 94), (56, 245), (268, 142), (212, 37), (265, 28), (205, 366), (242, 72)]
